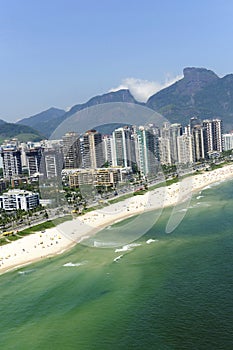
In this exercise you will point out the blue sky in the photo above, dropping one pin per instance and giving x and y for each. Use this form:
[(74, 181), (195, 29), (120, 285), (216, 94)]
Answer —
[(63, 52)]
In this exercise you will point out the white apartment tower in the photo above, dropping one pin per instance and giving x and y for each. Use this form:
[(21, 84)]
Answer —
[(124, 147), (109, 150), (11, 160), (168, 143), (185, 149), (175, 131), (145, 146), (227, 142)]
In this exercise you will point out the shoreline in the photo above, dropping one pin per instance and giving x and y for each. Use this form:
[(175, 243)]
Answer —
[(55, 241)]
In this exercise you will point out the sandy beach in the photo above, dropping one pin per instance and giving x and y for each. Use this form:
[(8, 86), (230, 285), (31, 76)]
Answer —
[(56, 240)]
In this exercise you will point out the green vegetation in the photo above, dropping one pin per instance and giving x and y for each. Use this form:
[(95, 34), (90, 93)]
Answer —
[(40, 227), (169, 169), (214, 166), (121, 198), (139, 192), (46, 225), (226, 153), (172, 181), (21, 132), (25, 137), (45, 122), (161, 184)]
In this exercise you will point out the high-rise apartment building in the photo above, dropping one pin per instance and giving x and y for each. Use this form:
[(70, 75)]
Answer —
[(217, 135), (33, 157), (227, 142), (145, 146), (11, 160), (71, 150), (92, 150), (52, 162), (185, 149), (168, 143), (200, 150), (208, 135), (213, 135), (175, 131), (124, 144), (194, 121), (109, 150)]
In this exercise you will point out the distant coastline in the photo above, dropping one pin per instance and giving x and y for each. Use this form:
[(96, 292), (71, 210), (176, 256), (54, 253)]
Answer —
[(53, 241)]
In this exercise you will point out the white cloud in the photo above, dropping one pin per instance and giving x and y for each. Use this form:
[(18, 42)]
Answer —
[(143, 89)]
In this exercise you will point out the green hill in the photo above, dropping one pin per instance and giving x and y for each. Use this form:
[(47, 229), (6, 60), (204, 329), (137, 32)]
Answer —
[(21, 132)]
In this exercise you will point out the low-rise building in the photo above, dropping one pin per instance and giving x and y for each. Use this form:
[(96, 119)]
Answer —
[(19, 199), (107, 177)]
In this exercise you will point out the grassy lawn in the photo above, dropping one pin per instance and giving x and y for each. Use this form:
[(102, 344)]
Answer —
[(121, 198), (45, 225)]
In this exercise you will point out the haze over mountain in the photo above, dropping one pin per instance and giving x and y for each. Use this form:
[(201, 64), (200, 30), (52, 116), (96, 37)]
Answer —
[(47, 121), (199, 93)]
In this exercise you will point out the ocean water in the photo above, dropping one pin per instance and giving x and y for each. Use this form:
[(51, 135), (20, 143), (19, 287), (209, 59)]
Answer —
[(174, 293)]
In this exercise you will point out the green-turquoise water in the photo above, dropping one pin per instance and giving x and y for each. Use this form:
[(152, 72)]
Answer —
[(176, 293)]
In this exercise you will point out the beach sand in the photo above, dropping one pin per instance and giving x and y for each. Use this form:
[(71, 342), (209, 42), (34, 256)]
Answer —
[(53, 241)]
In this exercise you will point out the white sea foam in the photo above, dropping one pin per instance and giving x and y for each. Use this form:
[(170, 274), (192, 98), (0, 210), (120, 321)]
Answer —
[(198, 197), (83, 238), (214, 184), (99, 244), (70, 264), (118, 258), (184, 209), (206, 188), (200, 205), (127, 247), (149, 241), (26, 272)]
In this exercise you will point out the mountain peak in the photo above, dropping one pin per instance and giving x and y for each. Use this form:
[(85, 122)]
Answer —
[(228, 78), (199, 74), (122, 95)]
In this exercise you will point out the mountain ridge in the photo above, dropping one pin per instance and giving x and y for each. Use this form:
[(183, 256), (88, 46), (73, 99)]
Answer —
[(45, 122), (46, 125), (201, 92)]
